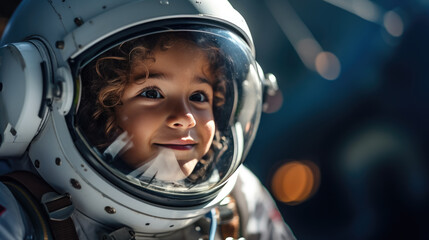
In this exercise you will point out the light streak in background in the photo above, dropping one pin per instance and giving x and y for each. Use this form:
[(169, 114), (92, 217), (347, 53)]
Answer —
[(367, 10), (306, 46)]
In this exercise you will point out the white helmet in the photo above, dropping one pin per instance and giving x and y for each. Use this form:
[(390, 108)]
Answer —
[(55, 58)]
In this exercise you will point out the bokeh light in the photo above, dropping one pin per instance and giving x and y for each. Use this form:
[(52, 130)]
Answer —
[(273, 103), (328, 65), (393, 23), (295, 181)]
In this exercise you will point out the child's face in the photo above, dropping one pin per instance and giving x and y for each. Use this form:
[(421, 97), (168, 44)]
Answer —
[(171, 109)]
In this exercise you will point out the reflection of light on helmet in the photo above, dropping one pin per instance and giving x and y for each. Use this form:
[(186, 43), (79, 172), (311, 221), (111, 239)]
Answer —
[(328, 65), (393, 23), (294, 182), (164, 167)]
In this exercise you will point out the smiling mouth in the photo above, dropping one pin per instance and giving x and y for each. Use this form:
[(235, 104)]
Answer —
[(177, 146)]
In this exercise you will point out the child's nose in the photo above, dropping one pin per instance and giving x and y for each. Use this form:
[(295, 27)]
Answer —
[(181, 117), (184, 121)]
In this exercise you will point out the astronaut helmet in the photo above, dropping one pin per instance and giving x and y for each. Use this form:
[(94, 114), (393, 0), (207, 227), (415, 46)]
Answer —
[(141, 111)]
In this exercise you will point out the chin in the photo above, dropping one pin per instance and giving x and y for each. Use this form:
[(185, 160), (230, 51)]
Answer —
[(188, 165)]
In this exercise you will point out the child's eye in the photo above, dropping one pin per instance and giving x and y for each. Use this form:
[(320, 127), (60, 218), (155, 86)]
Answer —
[(198, 97), (151, 93)]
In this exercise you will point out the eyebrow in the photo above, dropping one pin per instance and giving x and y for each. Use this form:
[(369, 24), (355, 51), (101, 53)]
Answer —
[(203, 80), (145, 76)]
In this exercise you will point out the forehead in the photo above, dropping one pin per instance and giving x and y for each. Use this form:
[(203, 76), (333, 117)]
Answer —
[(182, 53)]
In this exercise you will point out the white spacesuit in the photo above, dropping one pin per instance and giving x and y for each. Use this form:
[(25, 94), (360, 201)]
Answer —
[(129, 119)]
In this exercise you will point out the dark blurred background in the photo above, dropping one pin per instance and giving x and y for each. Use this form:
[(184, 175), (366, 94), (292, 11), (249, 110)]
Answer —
[(345, 156)]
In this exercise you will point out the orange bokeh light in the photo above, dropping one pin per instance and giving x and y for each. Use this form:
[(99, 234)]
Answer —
[(294, 182)]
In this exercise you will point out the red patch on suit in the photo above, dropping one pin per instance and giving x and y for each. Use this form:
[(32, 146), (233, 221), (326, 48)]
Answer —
[(275, 215)]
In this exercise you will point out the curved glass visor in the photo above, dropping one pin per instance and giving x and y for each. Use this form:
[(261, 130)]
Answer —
[(173, 111)]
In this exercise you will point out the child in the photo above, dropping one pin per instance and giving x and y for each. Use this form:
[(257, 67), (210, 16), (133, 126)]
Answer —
[(131, 120)]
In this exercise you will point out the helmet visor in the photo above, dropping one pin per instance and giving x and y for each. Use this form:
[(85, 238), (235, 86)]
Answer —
[(171, 112)]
